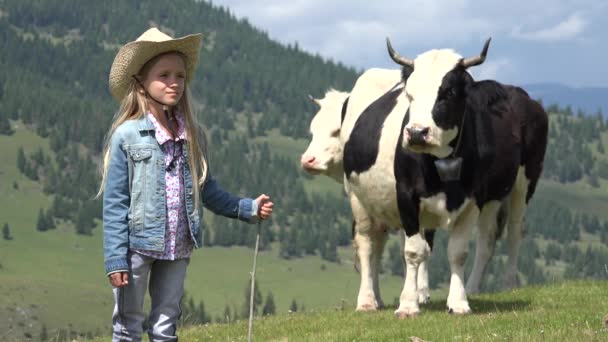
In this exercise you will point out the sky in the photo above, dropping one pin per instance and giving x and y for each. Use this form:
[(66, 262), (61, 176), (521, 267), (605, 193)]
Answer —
[(533, 41)]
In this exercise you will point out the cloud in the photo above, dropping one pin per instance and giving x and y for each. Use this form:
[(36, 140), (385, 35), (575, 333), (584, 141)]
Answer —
[(354, 31), (493, 69), (568, 29)]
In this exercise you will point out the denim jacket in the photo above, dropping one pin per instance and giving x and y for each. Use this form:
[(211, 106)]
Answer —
[(134, 203)]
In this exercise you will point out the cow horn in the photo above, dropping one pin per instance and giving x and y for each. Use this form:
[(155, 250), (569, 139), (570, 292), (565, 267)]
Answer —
[(395, 56), (472, 61), (313, 100)]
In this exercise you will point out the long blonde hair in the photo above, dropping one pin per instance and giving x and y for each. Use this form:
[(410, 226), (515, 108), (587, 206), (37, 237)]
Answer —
[(133, 107)]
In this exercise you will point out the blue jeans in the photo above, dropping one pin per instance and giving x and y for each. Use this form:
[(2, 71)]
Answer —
[(166, 285)]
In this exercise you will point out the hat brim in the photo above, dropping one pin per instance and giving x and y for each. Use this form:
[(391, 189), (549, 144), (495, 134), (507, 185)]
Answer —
[(132, 57)]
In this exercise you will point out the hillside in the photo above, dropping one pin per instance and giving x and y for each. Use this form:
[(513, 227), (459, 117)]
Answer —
[(587, 99), (251, 97), (571, 311)]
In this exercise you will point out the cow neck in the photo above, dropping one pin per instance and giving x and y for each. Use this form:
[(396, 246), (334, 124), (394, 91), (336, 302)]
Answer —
[(449, 168), (461, 128)]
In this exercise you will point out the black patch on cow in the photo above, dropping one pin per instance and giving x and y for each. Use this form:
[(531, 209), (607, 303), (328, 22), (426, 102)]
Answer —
[(429, 236), (344, 108), (361, 149), (416, 177), (533, 135), (450, 100), (484, 98), (409, 181)]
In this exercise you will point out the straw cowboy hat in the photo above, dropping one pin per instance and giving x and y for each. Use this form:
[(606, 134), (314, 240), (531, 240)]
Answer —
[(132, 56)]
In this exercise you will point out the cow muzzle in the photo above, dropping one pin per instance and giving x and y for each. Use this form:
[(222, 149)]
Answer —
[(418, 135), (309, 164)]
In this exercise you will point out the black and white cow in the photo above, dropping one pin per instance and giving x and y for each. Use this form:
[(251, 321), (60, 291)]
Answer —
[(499, 146), (323, 156), (495, 135)]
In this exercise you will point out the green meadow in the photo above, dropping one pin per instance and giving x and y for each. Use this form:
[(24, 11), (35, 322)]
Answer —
[(571, 311), (56, 277)]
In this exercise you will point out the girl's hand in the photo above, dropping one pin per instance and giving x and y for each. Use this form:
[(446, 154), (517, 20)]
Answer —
[(264, 206), (119, 279)]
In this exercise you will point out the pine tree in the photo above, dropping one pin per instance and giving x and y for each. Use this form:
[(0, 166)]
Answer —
[(21, 161), (49, 220), (41, 224), (44, 335), (84, 223), (227, 318), (269, 307), (201, 314), (5, 125), (257, 299), (6, 232), (294, 306), (331, 253)]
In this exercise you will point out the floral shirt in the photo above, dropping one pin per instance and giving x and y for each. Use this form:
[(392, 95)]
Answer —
[(178, 243)]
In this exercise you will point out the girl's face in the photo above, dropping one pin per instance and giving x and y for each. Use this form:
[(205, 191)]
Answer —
[(165, 80)]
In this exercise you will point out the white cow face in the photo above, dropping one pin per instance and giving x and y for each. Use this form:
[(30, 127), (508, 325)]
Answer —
[(324, 153), (436, 85), (435, 89)]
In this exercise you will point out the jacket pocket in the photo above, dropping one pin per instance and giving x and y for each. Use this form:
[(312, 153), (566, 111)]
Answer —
[(142, 182), (140, 154)]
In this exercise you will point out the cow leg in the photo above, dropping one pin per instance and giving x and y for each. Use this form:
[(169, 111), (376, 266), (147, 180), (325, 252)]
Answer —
[(423, 283), (515, 227), (363, 243), (422, 280), (458, 244), (486, 241), (416, 251), (424, 295), (379, 238)]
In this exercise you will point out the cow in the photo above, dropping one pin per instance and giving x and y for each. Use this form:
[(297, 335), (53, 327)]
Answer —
[(466, 154), (324, 156)]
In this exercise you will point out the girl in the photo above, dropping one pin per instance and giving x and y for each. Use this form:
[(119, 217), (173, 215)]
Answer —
[(155, 175)]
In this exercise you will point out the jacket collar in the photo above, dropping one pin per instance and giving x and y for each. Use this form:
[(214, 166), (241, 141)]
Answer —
[(144, 124)]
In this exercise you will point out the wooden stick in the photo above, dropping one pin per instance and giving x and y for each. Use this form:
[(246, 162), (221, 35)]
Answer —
[(255, 256)]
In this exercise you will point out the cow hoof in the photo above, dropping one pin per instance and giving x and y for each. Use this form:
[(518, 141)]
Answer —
[(407, 310), (366, 307), (461, 309), (424, 297), (407, 313)]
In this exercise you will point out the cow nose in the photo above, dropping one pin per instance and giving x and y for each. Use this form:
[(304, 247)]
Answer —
[(307, 161), (417, 134)]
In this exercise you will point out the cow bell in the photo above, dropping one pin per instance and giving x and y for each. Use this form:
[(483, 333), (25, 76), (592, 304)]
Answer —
[(449, 169)]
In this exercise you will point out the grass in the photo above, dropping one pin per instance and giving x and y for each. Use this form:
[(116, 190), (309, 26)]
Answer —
[(571, 311), (57, 278)]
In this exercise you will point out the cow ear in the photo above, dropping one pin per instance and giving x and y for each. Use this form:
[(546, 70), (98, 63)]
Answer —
[(483, 99)]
